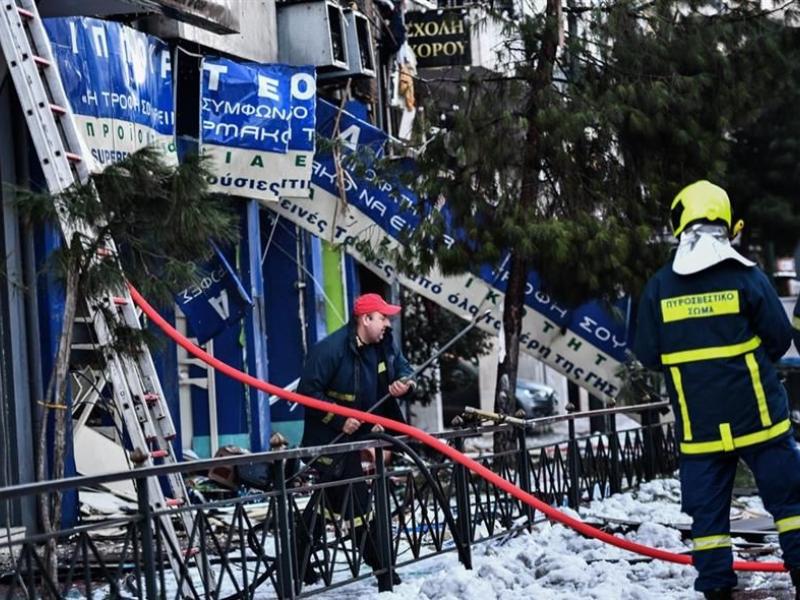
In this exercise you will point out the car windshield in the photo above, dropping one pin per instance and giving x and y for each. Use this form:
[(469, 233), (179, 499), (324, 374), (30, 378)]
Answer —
[(536, 389)]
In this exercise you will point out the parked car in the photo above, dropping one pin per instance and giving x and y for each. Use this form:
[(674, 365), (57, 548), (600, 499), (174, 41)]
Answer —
[(536, 399), (461, 388)]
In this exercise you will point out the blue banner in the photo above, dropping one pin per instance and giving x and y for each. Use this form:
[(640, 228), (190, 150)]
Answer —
[(304, 107), (587, 344), (258, 128), (119, 84), (245, 105), (216, 301), (391, 207)]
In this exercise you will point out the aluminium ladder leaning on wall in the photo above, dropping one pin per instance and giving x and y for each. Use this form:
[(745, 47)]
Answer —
[(137, 392)]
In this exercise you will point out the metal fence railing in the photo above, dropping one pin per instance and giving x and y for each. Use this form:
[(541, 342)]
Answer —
[(251, 546)]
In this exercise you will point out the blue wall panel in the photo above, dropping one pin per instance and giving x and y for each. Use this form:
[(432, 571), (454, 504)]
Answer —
[(259, 421), (51, 313), (283, 323), (232, 397), (165, 359)]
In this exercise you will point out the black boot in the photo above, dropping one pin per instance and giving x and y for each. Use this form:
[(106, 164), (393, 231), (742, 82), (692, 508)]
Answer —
[(719, 594), (384, 579), (372, 558), (795, 573)]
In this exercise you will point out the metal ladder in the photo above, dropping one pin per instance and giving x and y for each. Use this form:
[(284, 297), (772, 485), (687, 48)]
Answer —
[(137, 392)]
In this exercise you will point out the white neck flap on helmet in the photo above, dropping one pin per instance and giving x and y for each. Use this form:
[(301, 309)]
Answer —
[(704, 245)]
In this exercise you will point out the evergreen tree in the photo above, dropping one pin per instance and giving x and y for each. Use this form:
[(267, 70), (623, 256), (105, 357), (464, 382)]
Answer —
[(161, 219), (765, 162), (570, 157)]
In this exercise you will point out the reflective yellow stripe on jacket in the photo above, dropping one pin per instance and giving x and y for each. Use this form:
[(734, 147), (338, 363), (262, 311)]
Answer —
[(731, 443), (678, 383), (787, 524), (727, 442), (341, 396), (710, 353), (758, 389)]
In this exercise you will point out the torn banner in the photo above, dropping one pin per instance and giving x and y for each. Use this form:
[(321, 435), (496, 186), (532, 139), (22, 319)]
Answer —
[(586, 344), (216, 301), (257, 126)]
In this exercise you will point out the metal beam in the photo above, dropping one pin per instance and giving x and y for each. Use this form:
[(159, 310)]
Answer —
[(255, 330), (16, 401)]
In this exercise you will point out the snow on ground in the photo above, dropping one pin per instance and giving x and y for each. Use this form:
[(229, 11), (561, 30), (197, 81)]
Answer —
[(656, 501), (554, 563)]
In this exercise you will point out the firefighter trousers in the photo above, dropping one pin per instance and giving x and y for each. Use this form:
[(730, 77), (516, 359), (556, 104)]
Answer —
[(706, 488)]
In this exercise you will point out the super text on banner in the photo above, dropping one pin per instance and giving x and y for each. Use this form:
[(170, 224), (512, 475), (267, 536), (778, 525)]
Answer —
[(119, 83)]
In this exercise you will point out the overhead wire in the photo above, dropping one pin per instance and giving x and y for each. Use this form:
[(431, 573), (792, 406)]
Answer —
[(317, 284)]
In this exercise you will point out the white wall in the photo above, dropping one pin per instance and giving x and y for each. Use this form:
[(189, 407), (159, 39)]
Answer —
[(257, 40)]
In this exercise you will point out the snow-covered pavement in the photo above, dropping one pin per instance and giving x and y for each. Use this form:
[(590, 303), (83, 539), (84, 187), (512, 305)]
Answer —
[(554, 563)]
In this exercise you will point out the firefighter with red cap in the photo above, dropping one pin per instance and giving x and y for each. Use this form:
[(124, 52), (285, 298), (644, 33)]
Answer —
[(355, 366), (711, 321)]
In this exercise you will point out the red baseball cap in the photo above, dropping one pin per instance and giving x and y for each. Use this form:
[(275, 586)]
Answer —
[(369, 303)]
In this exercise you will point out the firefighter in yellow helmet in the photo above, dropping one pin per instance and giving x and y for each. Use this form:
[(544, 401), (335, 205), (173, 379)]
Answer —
[(712, 322)]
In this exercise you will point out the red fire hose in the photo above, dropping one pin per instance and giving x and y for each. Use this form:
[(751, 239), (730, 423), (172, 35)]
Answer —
[(431, 441)]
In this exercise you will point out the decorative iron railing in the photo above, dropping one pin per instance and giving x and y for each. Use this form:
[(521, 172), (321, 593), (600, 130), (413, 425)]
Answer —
[(262, 546)]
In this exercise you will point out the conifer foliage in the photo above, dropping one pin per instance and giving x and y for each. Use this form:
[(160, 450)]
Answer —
[(161, 218), (569, 157)]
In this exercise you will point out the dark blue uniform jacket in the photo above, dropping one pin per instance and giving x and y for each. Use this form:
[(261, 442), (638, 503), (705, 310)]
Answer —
[(796, 323), (715, 335), (338, 371)]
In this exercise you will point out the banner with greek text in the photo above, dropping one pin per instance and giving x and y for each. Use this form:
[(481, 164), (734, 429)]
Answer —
[(585, 344), (216, 301), (119, 84), (257, 126)]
